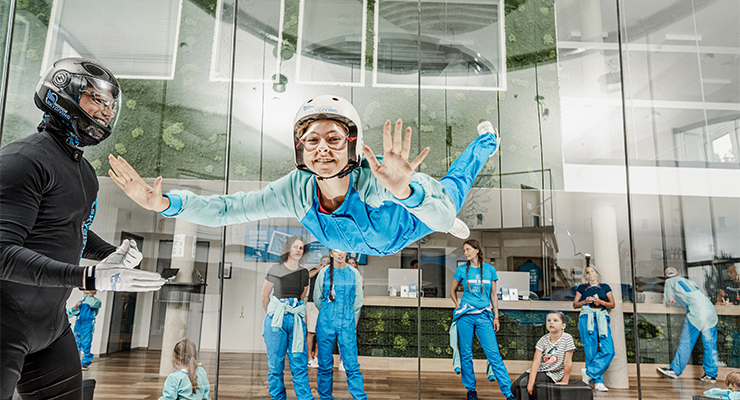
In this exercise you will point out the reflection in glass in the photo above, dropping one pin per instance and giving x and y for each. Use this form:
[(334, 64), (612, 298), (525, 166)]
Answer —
[(462, 45), (331, 48), (129, 37)]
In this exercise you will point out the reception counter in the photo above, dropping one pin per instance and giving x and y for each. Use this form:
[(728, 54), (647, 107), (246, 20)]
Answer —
[(535, 305), (388, 328)]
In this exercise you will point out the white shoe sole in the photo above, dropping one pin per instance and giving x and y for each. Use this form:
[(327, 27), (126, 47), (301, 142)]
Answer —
[(601, 388), (459, 229), (487, 127), (672, 376)]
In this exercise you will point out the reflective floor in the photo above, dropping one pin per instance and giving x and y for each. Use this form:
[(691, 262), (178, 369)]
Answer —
[(244, 376)]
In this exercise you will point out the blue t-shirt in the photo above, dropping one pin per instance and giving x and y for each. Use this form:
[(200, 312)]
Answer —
[(601, 290), (535, 274), (473, 295)]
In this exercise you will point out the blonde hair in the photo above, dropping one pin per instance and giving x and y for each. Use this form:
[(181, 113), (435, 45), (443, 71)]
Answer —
[(732, 380), (183, 356), (598, 275)]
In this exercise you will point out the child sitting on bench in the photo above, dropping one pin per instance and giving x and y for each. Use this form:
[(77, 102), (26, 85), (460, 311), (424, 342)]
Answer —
[(733, 388), (553, 358)]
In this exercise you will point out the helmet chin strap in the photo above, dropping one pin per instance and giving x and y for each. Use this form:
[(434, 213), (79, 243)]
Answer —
[(339, 175)]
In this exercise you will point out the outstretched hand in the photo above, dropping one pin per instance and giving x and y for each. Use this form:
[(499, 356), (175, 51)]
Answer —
[(126, 177), (395, 172)]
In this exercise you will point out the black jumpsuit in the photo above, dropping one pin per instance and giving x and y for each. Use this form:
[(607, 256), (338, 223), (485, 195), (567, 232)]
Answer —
[(48, 197)]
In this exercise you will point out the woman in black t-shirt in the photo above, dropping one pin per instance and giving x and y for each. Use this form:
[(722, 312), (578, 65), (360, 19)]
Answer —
[(283, 328), (595, 299)]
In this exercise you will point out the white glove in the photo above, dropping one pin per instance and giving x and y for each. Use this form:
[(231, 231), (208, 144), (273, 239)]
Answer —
[(116, 272), (127, 254), (122, 279)]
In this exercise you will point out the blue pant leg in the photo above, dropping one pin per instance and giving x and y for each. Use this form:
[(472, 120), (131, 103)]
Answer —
[(348, 351), (604, 354), (276, 342), (487, 337), (86, 335), (298, 362), (465, 330), (325, 338), (465, 169), (689, 334), (78, 337), (709, 340), (590, 342)]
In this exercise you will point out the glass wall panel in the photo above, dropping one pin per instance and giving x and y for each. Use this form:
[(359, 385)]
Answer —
[(210, 94), (681, 94), (172, 124)]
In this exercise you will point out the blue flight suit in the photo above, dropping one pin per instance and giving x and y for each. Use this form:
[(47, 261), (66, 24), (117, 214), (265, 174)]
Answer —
[(336, 323), (85, 325), (369, 221), (287, 337), (480, 323), (701, 319)]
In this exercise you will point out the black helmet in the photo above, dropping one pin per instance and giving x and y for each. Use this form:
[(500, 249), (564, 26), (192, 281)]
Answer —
[(58, 94)]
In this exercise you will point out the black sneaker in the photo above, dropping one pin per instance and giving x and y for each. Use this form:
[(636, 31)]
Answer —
[(667, 371), (85, 366), (708, 379), (472, 395)]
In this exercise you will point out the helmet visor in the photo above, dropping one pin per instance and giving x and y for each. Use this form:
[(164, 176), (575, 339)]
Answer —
[(102, 101)]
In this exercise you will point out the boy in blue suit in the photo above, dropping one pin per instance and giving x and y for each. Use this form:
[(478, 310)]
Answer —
[(85, 310)]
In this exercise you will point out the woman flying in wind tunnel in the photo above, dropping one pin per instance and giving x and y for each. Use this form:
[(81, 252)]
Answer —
[(350, 203)]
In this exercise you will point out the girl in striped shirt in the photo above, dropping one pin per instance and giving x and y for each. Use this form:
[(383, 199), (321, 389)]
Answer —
[(553, 358)]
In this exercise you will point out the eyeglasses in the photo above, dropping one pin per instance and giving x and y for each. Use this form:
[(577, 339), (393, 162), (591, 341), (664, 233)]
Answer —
[(334, 141), (103, 99)]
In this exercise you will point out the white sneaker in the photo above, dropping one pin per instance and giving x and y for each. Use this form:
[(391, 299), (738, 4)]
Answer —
[(341, 366), (459, 229), (584, 376), (487, 127), (314, 363), (667, 371), (601, 387)]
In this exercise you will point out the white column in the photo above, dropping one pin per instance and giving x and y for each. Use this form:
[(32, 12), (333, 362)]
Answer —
[(606, 260), (176, 318)]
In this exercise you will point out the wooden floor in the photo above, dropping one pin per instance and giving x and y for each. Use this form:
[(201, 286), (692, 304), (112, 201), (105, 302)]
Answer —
[(244, 376)]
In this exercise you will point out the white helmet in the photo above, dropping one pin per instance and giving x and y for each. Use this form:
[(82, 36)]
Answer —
[(337, 109)]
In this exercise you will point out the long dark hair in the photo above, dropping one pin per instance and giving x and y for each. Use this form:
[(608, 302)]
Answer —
[(288, 244), (183, 356), (476, 245)]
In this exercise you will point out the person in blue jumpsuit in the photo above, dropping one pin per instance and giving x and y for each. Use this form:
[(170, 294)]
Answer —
[(595, 299), (701, 320), (85, 310), (350, 203), (338, 296), (473, 315), (283, 294)]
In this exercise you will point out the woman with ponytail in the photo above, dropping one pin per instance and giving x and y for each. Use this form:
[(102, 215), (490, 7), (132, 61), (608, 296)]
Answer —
[(473, 315), (338, 296), (189, 382)]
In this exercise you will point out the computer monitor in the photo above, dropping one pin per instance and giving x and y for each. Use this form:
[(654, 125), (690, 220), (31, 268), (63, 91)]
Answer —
[(518, 280), (398, 277)]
